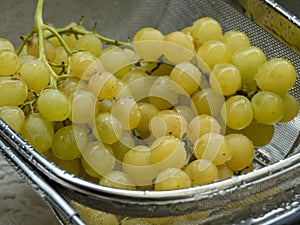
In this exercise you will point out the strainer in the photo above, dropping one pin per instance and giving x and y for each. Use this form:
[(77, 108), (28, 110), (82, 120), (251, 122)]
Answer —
[(271, 190)]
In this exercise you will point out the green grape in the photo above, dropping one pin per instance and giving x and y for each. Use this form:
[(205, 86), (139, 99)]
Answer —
[(61, 59), (107, 128), (237, 112), (9, 62), (200, 125), (84, 107), (268, 107), (89, 43), (141, 87), (187, 30), (166, 152), (235, 39), (205, 29), (172, 178), (36, 75), (99, 157), (104, 85), (38, 131), (54, 105), (118, 179), (167, 123), (123, 90), (276, 75), (201, 171), (147, 42), (88, 169), (213, 147), (68, 142), (133, 75), (187, 112), (116, 61), (148, 111), (33, 48), (25, 58), (291, 106), (207, 101), (259, 134), (225, 79), (13, 91), (214, 52), (137, 164), (13, 116), (105, 105), (127, 111), (70, 166), (6, 44), (248, 59), (180, 43), (84, 65), (123, 145), (242, 150), (224, 172), (186, 75), (70, 40)]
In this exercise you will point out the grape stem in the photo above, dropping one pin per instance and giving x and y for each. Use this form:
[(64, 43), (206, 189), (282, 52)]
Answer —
[(25, 39)]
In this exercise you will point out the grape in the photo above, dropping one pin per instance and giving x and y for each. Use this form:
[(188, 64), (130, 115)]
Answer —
[(147, 42), (214, 52), (237, 112), (213, 147), (107, 128), (70, 85), (118, 179), (276, 75), (84, 107), (167, 152), (116, 61), (123, 145), (13, 116), (147, 111), (187, 112), (13, 91), (33, 48), (140, 87), (207, 101), (70, 40), (224, 172), (105, 105), (186, 75), (235, 39), (61, 59), (104, 85), (201, 171), (88, 169), (9, 62), (172, 178), (248, 59), (6, 44), (54, 105), (180, 43), (133, 75), (259, 134), (36, 75), (99, 157), (71, 166), (137, 164), (268, 107), (225, 79), (68, 142), (291, 107), (167, 123), (127, 111), (205, 29), (89, 43), (38, 131), (242, 151), (84, 65), (202, 124)]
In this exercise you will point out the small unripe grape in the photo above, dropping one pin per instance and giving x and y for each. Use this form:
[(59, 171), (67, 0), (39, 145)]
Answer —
[(54, 105), (13, 91), (214, 52), (38, 131), (205, 29), (9, 62), (147, 42), (33, 48)]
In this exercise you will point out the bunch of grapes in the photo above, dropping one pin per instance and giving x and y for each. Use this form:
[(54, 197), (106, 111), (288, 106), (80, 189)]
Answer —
[(168, 111)]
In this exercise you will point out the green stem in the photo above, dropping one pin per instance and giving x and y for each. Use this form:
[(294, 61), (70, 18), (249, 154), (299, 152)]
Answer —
[(24, 42)]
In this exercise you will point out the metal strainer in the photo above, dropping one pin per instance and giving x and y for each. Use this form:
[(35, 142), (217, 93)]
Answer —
[(271, 190)]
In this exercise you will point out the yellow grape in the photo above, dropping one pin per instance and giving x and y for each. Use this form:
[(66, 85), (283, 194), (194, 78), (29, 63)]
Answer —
[(235, 39), (187, 112), (9, 62), (148, 111), (13, 116), (70, 166), (60, 60), (33, 48), (88, 169), (172, 178), (6, 44), (291, 106), (123, 145), (89, 43), (118, 179), (224, 172)]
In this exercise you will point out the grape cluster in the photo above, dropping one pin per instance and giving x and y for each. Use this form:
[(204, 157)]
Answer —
[(165, 112)]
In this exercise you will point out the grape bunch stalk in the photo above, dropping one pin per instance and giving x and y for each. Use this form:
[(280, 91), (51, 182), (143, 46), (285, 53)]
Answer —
[(167, 111)]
